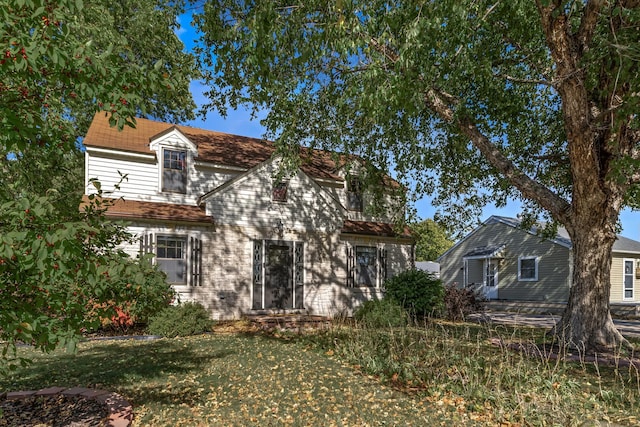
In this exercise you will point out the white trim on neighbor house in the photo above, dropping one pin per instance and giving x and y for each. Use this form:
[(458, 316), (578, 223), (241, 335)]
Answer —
[(528, 279), (624, 279), (491, 265)]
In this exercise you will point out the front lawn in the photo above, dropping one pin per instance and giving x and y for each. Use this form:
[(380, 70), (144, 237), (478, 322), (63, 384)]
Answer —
[(438, 374)]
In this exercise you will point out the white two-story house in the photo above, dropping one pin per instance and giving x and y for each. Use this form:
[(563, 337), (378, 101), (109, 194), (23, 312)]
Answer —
[(234, 233)]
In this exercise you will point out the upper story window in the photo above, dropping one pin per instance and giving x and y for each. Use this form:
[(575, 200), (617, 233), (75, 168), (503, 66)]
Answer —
[(174, 171), (279, 191), (528, 269), (354, 194)]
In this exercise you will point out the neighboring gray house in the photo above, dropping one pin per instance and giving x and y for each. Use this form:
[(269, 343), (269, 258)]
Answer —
[(429, 267), (509, 263), (231, 232)]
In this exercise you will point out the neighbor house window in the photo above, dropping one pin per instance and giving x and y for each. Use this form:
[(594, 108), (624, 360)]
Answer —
[(279, 191), (174, 171), (527, 269), (354, 194), (628, 279), (171, 258)]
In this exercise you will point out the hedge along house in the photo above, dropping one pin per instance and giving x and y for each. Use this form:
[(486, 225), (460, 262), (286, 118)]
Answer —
[(233, 233), (507, 262)]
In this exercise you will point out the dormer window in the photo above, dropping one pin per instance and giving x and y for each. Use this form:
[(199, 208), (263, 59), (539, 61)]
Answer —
[(354, 194), (279, 191), (174, 171)]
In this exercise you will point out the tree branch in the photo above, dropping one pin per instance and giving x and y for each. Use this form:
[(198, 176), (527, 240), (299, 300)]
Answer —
[(531, 189), (588, 23), (440, 103)]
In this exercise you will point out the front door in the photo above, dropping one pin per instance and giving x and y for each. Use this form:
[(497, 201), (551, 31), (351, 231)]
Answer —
[(278, 276), (491, 279)]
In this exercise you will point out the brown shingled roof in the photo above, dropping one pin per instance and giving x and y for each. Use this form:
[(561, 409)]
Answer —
[(215, 147), (369, 228), (133, 209)]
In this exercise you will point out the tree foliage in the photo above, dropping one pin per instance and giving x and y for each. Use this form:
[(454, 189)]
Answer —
[(54, 273), (532, 100), (60, 268), (432, 240), (63, 60), (419, 292)]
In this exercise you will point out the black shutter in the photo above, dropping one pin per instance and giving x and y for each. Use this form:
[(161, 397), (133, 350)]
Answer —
[(382, 258), (350, 267), (146, 244), (257, 274), (298, 274), (196, 262)]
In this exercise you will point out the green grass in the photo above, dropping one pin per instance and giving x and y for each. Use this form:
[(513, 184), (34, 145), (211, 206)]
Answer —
[(437, 374)]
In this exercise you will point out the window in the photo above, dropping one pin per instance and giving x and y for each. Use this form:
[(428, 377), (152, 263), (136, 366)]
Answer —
[(366, 266), (279, 191), (628, 279), (174, 171), (528, 269), (171, 258), (354, 194)]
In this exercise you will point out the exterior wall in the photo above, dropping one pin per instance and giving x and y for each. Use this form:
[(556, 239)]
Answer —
[(227, 268), (247, 203), (553, 264), (617, 278), (244, 212), (143, 178)]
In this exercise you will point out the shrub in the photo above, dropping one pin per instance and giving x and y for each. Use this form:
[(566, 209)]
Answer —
[(380, 314), (460, 302), (189, 318), (419, 292), (137, 291)]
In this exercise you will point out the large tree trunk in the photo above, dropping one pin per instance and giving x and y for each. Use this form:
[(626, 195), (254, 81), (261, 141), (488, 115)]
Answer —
[(586, 323)]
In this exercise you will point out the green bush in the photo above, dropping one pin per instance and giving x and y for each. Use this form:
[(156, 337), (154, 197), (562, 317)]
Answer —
[(418, 292), (460, 302), (380, 314), (189, 318)]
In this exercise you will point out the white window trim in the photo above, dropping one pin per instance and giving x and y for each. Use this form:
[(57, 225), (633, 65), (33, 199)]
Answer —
[(528, 279), (633, 282)]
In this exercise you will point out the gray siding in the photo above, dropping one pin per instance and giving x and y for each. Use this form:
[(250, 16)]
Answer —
[(553, 265)]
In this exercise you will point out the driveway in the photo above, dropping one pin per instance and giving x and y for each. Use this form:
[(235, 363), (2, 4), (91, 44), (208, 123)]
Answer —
[(626, 327)]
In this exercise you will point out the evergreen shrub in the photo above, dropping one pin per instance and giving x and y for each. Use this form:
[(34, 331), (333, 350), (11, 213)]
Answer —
[(189, 318), (417, 291)]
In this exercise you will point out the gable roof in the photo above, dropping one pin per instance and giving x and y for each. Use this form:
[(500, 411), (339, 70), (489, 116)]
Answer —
[(243, 176), (622, 244), (215, 147)]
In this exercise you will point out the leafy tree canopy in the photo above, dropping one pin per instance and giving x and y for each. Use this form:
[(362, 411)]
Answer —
[(432, 240), (63, 60), (531, 100), (61, 269)]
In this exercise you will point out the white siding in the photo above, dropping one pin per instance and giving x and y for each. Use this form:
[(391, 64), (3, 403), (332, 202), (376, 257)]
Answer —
[(142, 181), (617, 278), (244, 212), (248, 203)]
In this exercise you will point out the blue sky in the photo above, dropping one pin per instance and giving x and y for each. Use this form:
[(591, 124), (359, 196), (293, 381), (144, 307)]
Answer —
[(239, 122)]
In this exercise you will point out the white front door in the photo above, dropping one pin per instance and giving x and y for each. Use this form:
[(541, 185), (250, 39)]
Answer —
[(490, 279)]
